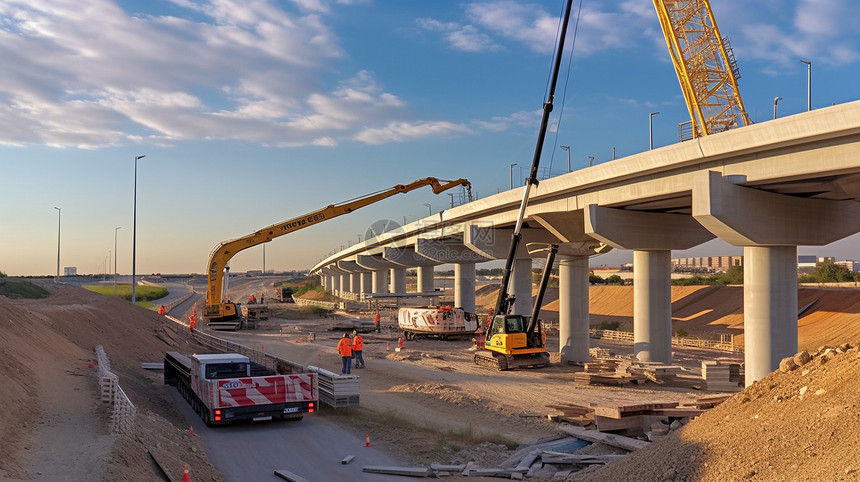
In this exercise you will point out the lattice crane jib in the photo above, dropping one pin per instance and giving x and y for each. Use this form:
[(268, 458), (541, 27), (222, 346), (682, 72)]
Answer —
[(705, 65)]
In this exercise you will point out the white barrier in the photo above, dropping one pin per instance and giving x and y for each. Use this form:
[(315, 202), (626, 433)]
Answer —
[(123, 411)]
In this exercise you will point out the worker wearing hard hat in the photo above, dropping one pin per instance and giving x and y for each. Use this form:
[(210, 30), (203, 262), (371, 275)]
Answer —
[(344, 347), (357, 347)]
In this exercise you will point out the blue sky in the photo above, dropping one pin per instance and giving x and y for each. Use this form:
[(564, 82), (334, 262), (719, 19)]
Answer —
[(250, 113)]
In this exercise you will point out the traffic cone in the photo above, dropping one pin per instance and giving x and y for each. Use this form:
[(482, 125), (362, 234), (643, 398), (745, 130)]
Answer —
[(262, 347), (191, 430), (185, 476), (367, 440), (400, 343), (387, 346)]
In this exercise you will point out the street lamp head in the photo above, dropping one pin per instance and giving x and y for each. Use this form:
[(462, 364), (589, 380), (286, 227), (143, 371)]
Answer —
[(565, 148), (776, 99), (654, 113), (58, 209), (139, 157)]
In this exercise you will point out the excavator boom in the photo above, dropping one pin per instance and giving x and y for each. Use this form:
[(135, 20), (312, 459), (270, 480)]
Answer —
[(218, 308)]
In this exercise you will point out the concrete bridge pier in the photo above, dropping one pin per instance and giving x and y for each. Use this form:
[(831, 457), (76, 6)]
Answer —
[(573, 309), (651, 236), (379, 269), (521, 286), (379, 282), (770, 227), (398, 280), (345, 286), (652, 305), (426, 279), (770, 308), (464, 286), (366, 282)]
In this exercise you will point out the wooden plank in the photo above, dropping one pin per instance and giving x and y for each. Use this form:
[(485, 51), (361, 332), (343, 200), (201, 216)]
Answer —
[(676, 412), (407, 471), (291, 477), (550, 457), (619, 441), (625, 410)]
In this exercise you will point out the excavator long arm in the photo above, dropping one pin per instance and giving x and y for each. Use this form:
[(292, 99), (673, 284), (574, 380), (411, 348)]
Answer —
[(221, 255)]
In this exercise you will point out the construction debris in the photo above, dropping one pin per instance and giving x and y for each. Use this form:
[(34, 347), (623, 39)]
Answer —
[(407, 471), (291, 477), (721, 376)]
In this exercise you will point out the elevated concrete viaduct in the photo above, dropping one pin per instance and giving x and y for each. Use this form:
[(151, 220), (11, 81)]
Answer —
[(768, 188)]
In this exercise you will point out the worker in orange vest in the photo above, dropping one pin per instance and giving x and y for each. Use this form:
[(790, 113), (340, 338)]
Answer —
[(161, 310), (344, 347), (192, 320), (357, 347), (376, 322)]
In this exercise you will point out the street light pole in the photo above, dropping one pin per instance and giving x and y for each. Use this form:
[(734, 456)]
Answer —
[(512, 175), (590, 161), (651, 130), (567, 148), (134, 237), (59, 214), (429, 208), (808, 84), (114, 258), (775, 101)]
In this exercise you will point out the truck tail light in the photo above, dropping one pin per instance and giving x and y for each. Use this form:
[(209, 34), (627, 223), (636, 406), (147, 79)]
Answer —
[(217, 415), (311, 407)]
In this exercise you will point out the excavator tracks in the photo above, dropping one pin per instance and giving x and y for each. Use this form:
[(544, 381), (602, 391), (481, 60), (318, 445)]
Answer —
[(486, 358), (489, 359)]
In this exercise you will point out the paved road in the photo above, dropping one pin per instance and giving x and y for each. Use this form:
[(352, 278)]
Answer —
[(311, 448)]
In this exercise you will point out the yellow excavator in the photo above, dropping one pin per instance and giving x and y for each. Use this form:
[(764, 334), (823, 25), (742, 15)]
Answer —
[(219, 310)]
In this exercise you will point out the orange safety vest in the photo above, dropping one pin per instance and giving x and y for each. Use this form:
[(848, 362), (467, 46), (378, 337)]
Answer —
[(344, 348), (376, 319), (161, 310), (357, 343)]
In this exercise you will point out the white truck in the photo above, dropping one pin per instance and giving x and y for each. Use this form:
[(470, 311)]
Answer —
[(436, 321), (227, 387)]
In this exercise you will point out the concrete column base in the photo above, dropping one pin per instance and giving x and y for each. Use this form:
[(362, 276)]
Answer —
[(464, 286), (521, 287), (398, 280), (573, 306), (770, 308), (426, 277), (652, 306)]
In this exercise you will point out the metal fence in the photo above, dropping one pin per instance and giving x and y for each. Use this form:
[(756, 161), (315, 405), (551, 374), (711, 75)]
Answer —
[(676, 340), (122, 410)]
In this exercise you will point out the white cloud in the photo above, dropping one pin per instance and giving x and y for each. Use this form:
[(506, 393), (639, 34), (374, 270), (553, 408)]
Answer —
[(466, 38), (404, 131)]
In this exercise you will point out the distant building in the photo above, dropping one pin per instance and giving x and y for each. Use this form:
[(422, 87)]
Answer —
[(851, 265), (706, 264)]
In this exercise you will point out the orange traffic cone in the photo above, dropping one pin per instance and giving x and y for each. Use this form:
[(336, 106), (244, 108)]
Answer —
[(185, 476), (400, 343), (367, 443), (387, 345), (191, 430)]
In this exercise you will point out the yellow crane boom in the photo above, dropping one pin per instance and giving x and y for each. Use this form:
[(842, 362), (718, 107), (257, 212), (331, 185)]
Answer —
[(219, 308), (705, 65)]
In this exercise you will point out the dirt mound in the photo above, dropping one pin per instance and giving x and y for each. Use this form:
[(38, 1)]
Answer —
[(792, 425), (46, 347)]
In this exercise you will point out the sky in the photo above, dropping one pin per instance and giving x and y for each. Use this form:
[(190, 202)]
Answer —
[(251, 113)]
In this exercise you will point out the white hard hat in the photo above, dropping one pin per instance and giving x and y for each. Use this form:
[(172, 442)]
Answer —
[(354, 332)]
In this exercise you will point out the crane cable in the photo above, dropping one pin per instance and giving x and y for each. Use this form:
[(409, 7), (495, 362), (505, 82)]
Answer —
[(566, 79)]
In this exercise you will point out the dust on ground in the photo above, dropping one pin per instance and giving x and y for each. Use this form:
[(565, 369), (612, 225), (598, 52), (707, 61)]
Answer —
[(793, 425)]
